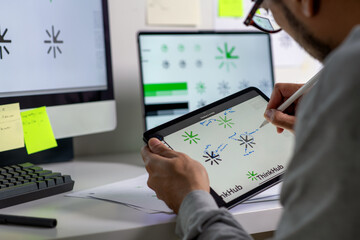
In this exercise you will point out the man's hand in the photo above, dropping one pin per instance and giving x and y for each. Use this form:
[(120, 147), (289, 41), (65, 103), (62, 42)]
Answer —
[(172, 175), (286, 119)]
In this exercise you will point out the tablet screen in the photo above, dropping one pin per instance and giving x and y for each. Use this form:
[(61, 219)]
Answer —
[(237, 154)]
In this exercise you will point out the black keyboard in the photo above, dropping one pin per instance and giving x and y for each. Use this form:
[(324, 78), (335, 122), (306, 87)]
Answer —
[(26, 182)]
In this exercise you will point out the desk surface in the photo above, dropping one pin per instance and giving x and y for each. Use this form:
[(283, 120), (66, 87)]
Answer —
[(96, 219)]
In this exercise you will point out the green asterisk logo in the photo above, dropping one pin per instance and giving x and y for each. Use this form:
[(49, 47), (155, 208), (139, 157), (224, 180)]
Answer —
[(164, 48), (200, 87), (227, 58), (181, 48), (226, 122), (190, 137), (252, 175)]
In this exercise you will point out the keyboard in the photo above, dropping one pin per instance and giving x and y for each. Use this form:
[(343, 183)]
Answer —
[(26, 182)]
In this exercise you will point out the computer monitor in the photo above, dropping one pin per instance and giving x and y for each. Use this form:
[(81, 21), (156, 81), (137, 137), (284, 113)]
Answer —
[(56, 53), (183, 71)]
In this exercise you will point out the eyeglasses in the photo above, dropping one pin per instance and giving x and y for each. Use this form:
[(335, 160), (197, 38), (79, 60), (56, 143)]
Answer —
[(262, 18)]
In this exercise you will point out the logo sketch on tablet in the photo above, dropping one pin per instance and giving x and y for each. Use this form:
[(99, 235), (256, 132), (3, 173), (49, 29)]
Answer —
[(212, 158), (252, 175), (225, 122), (191, 137), (247, 140), (207, 122), (228, 111)]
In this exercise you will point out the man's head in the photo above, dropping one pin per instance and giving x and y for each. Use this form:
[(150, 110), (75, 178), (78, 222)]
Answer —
[(319, 26)]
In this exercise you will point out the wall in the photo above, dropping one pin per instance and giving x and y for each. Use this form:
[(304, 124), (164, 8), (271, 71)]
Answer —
[(126, 19)]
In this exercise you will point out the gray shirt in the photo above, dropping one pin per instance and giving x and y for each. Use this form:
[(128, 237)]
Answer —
[(321, 190)]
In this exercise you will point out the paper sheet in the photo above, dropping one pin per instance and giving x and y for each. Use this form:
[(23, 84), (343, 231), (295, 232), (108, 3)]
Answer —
[(136, 194), (231, 8), (37, 130), (173, 12), (133, 193), (287, 52), (231, 22), (11, 130)]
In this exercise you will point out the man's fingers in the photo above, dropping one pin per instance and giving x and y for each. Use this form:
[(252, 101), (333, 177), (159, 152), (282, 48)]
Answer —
[(276, 98), (281, 92), (152, 161), (157, 147), (280, 119)]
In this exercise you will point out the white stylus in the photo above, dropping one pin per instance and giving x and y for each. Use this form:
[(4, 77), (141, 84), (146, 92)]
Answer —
[(296, 95)]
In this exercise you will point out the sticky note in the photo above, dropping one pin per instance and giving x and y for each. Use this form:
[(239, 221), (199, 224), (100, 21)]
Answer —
[(11, 131), (173, 12), (231, 8), (38, 132)]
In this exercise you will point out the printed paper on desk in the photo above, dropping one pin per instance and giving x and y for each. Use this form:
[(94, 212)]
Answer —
[(11, 130), (38, 133), (136, 193), (133, 193), (173, 12)]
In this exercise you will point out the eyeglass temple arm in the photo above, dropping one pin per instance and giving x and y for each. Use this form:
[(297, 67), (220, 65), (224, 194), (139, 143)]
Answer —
[(256, 6)]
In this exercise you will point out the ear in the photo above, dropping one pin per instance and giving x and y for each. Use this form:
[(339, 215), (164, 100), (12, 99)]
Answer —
[(309, 7)]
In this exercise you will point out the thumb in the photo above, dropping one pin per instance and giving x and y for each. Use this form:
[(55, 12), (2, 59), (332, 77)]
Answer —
[(157, 147), (280, 119)]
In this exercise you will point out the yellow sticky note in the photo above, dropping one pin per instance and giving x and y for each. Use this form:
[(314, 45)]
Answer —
[(38, 133), (231, 8), (11, 131)]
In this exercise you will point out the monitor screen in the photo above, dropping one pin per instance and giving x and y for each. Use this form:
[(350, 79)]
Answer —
[(56, 53), (182, 72)]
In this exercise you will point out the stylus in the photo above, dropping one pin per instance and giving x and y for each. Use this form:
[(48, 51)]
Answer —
[(28, 221), (296, 95)]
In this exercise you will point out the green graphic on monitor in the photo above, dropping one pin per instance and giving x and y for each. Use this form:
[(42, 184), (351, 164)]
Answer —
[(227, 58)]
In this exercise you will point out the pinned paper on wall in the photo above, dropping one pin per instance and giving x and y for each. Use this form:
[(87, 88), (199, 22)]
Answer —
[(11, 130), (227, 15), (38, 132), (173, 12), (283, 45), (231, 8)]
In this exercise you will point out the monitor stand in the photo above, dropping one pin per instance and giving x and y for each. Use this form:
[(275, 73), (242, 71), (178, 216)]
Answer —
[(64, 152)]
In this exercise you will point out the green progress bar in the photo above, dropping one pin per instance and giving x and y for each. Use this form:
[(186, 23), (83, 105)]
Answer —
[(165, 89)]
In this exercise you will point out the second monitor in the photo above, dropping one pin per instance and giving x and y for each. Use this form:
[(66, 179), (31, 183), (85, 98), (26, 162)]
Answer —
[(183, 71)]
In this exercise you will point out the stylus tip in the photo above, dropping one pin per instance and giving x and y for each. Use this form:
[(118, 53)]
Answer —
[(264, 123)]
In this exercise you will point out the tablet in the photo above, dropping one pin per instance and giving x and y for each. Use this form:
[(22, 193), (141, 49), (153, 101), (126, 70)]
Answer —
[(241, 159)]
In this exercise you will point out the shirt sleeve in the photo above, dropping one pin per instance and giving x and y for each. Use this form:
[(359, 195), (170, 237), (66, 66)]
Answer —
[(200, 218)]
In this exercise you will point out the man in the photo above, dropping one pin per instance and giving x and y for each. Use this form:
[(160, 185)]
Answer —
[(321, 190)]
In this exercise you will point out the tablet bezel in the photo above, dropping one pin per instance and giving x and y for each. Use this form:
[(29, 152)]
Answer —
[(205, 112)]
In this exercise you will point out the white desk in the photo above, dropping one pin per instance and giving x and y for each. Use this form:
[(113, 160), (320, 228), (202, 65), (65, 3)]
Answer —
[(95, 219)]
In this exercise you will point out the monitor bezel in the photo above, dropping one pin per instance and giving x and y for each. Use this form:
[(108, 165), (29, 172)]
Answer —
[(49, 100), (199, 32), (102, 99)]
